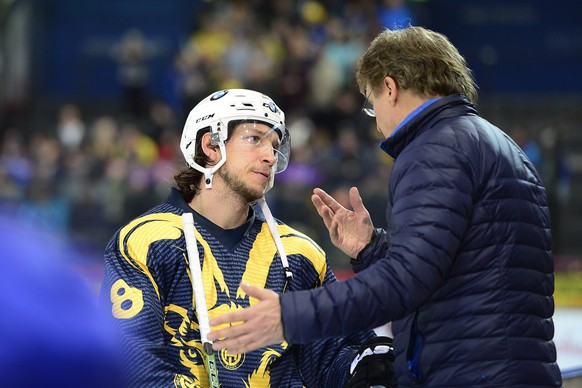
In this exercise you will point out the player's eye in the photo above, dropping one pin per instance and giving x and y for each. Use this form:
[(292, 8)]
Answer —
[(252, 139)]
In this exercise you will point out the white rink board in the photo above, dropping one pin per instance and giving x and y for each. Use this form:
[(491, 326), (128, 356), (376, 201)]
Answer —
[(568, 338)]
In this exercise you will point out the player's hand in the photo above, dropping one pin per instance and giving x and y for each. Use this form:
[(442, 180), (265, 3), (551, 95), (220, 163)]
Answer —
[(349, 230), (254, 327)]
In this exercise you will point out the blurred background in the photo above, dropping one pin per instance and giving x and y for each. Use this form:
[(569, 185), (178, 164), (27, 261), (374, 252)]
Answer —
[(94, 94)]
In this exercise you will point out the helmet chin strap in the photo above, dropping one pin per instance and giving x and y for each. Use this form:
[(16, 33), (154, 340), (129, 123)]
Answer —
[(276, 237), (208, 175)]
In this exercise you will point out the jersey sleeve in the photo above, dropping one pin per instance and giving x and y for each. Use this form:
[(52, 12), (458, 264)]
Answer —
[(133, 293)]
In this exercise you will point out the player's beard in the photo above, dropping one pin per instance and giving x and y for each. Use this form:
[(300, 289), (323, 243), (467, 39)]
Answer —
[(235, 183)]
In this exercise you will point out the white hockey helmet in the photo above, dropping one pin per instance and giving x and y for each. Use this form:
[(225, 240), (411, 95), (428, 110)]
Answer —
[(221, 108)]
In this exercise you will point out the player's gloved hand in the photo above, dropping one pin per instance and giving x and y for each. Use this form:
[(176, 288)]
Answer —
[(373, 365)]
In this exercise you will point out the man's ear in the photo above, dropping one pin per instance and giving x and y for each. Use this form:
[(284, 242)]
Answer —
[(210, 150), (391, 88)]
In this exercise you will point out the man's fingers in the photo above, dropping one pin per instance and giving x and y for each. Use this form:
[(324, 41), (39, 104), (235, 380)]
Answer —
[(234, 316), (327, 199), (252, 327), (356, 201), (324, 212), (237, 339), (241, 344), (228, 332), (240, 315), (256, 292)]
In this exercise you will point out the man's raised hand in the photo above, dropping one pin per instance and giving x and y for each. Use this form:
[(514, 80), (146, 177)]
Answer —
[(349, 230)]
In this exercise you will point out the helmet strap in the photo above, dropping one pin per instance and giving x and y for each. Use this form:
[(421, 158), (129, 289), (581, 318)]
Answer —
[(208, 175), (276, 237)]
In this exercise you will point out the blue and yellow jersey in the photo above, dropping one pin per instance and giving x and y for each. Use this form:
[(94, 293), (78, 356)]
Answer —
[(147, 286)]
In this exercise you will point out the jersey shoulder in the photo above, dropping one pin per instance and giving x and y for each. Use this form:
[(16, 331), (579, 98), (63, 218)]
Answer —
[(161, 223), (296, 242)]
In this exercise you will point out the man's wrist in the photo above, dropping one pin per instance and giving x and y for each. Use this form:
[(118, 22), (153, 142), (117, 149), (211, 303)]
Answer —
[(370, 242)]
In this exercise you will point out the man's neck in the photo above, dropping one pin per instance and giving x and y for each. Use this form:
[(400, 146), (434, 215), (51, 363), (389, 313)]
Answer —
[(410, 101), (226, 211)]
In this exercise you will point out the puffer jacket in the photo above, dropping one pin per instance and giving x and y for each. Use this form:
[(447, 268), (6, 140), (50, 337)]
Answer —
[(464, 270)]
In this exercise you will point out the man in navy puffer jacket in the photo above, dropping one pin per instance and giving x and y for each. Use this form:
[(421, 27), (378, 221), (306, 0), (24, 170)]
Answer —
[(464, 270)]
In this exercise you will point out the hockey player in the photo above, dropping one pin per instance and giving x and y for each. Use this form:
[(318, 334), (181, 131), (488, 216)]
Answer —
[(234, 142)]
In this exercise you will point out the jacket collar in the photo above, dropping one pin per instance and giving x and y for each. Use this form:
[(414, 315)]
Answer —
[(453, 105)]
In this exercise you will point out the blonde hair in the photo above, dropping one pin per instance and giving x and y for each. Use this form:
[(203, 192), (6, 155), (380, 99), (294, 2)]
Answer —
[(418, 59)]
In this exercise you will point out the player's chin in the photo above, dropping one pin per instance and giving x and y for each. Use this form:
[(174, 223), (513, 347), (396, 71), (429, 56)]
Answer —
[(259, 187), (258, 194), (255, 193)]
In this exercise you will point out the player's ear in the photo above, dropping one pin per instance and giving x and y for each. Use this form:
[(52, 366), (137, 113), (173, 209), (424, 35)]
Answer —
[(211, 151)]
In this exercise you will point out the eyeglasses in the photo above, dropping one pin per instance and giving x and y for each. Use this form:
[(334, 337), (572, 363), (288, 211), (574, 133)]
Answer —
[(367, 108)]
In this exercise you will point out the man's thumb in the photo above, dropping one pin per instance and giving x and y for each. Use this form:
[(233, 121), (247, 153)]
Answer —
[(253, 291), (356, 201), (257, 293)]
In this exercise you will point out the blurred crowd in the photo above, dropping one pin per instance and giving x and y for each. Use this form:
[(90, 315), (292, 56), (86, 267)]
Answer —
[(85, 173)]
